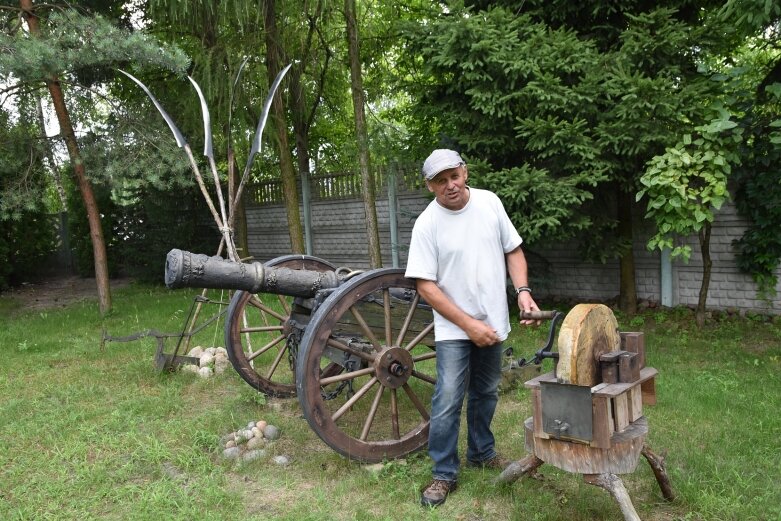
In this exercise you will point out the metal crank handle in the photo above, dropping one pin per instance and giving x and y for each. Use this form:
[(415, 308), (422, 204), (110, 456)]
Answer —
[(538, 315)]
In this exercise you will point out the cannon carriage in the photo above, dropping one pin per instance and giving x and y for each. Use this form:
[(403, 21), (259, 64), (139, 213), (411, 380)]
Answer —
[(356, 348)]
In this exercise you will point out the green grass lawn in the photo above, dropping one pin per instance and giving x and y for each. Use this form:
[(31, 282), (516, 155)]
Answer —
[(91, 434)]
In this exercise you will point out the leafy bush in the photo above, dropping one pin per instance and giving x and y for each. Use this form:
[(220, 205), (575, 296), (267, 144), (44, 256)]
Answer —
[(25, 243), (157, 221), (140, 230)]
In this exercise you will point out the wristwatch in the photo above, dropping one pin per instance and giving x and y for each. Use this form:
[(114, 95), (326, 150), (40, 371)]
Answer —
[(521, 289)]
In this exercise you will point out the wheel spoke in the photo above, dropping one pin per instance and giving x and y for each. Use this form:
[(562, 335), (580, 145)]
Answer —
[(285, 305), (372, 413), (357, 396), (256, 302), (424, 377), (366, 330), (344, 347), (415, 341), (418, 404), (277, 359), (394, 407), (345, 376), (245, 323), (265, 348), (264, 308), (408, 319), (261, 329), (424, 356), (386, 305)]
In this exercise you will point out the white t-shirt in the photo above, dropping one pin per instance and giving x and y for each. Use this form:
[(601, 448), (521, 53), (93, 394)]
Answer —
[(464, 251)]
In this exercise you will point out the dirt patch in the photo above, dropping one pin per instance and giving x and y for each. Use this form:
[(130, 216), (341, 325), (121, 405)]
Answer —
[(57, 293)]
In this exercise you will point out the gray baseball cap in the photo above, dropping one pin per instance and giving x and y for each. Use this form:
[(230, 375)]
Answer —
[(439, 160)]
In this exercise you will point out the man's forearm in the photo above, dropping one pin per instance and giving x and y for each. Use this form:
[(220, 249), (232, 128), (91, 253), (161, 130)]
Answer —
[(517, 268)]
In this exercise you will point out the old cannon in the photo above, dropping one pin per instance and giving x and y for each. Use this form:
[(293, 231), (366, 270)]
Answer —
[(357, 348)]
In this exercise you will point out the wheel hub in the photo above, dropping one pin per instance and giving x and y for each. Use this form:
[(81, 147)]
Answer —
[(394, 367)]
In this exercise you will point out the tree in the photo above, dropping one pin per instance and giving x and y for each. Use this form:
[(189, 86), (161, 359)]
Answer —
[(686, 185), (750, 68), (85, 187), (367, 181), (54, 54), (565, 103)]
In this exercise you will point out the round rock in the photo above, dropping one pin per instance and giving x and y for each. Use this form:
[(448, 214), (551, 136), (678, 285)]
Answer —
[(231, 453), (205, 372), (271, 432), (281, 460), (252, 455), (256, 442), (206, 359)]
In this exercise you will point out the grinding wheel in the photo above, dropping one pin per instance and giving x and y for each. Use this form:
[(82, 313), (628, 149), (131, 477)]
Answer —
[(588, 332)]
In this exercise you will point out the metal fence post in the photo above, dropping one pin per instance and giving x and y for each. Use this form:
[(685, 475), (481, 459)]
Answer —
[(392, 218)]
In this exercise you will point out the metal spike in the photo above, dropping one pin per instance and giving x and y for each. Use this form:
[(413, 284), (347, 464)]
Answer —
[(264, 116), (232, 98), (180, 141), (208, 151)]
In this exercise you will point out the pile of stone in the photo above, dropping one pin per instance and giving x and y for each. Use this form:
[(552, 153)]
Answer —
[(250, 443), (212, 360)]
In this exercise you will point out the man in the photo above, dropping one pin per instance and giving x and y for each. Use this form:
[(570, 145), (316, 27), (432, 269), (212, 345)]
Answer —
[(463, 245)]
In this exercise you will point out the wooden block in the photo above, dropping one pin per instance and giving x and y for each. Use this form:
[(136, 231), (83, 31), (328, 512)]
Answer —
[(601, 422), (634, 342), (635, 403), (613, 390), (628, 367), (539, 431), (621, 411), (648, 388), (608, 364)]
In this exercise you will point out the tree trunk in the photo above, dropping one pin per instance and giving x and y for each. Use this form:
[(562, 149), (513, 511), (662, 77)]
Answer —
[(50, 157), (85, 187), (367, 182), (707, 264), (287, 171), (627, 298), (302, 115)]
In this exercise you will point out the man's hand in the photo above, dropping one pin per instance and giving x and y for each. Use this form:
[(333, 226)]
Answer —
[(526, 303), (481, 333)]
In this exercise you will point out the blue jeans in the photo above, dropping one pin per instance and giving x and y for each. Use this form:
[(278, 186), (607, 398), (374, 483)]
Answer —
[(461, 365)]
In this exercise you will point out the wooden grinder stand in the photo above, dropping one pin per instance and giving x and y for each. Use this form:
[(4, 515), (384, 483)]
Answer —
[(559, 433)]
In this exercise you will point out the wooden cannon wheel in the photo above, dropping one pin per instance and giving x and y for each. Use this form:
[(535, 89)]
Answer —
[(256, 331), (588, 332), (380, 335)]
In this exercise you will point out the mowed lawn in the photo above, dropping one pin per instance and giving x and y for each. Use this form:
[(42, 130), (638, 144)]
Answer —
[(87, 433)]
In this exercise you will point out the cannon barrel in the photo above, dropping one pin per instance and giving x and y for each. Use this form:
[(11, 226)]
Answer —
[(192, 270)]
